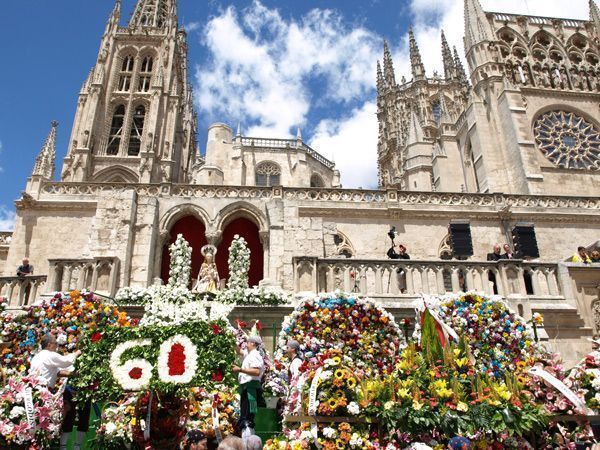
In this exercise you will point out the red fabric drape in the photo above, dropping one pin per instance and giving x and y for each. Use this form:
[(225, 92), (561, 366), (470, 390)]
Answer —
[(193, 231), (249, 231)]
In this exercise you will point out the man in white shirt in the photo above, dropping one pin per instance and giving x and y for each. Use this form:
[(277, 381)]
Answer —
[(250, 389), (48, 365)]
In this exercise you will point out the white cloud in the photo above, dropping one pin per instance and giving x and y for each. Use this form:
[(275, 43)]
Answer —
[(7, 218), (354, 143), (192, 26)]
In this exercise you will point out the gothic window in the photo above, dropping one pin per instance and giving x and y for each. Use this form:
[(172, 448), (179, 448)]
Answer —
[(116, 131), (568, 140), (436, 110), (268, 174), (343, 246), (137, 129), (145, 74), (316, 181), (126, 74)]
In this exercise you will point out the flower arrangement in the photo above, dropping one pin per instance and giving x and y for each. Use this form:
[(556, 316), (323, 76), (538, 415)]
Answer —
[(239, 264), (360, 328), (258, 295), (160, 420), (181, 262), (67, 315), (500, 340), (30, 415), (116, 424), (222, 401), (167, 359), (584, 379)]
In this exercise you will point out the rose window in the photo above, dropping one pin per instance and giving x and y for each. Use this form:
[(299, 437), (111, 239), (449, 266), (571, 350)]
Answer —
[(568, 140)]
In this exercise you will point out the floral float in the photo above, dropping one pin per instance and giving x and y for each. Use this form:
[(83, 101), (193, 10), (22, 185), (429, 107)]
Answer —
[(30, 415), (115, 431)]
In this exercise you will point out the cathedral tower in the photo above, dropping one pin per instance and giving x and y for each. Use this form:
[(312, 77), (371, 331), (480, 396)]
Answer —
[(135, 120)]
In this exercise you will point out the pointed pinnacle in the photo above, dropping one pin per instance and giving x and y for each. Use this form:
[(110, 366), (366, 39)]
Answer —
[(388, 66), (417, 67)]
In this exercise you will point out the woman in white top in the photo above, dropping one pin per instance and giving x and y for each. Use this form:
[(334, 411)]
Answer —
[(250, 389)]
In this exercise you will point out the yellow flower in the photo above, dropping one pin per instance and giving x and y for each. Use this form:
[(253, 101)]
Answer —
[(351, 383), (339, 373), (456, 352), (336, 360), (133, 422), (333, 403), (339, 443), (462, 406), (416, 405), (461, 362), (502, 391), (403, 393)]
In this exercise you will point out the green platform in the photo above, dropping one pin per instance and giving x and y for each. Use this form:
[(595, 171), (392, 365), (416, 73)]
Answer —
[(267, 424)]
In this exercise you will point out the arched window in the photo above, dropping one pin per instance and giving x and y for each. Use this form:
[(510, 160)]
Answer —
[(126, 74), (268, 174), (316, 181), (116, 131), (145, 74), (137, 130)]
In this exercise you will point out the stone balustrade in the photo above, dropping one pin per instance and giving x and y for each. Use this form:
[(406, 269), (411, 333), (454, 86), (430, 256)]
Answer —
[(22, 291), (96, 274), (397, 279)]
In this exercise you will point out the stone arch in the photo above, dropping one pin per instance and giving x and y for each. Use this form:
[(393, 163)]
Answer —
[(344, 247), (116, 174), (187, 209), (316, 180), (545, 40), (241, 209)]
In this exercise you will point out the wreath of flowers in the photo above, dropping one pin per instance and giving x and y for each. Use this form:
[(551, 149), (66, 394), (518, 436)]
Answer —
[(42, 425)]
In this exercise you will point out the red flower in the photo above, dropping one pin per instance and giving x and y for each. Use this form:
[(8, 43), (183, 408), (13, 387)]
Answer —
[(216, 328), (240, 323), (258, 325), (135, 373), (217, 376), (176, 360), (96, 336)]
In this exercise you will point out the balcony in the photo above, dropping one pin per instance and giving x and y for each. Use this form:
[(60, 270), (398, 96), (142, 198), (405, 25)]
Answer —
[(22, 291)]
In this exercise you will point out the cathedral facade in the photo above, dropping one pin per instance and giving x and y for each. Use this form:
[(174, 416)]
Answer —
[(506, 150)]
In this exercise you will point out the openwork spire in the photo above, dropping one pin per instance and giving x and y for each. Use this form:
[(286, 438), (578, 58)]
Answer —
[(477, 27), (449, 67), (416, 63), (154, 14), (380, 82), (460, 70), (45, 161), (388, 66), (595, 15)]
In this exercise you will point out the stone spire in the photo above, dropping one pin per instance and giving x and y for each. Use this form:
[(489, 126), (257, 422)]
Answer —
[(45, 161), (444, 110), (415, 131), (460, 70), (154, 14), (595, 15), (448, 60), (477, 27), (380, 82), (388, 66), (416, 64)]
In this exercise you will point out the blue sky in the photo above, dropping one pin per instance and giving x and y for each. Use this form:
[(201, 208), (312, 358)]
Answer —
[(271, 65)]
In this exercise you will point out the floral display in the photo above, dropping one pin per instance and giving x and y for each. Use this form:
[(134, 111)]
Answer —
[(30, 415), (258, 295), (163, 312), (160, 420), (584, 379), (239, 264), (67, 315), (167, 359), (500, 340), (181, 262), (359, 328), (222, 401), (116, 425)]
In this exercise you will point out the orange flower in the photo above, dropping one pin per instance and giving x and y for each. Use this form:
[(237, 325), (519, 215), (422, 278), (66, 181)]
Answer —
[(75, 294)]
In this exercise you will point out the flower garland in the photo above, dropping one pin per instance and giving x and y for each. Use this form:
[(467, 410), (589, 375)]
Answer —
[(181, 262), (239, 264), (30, 415), (255, 296)]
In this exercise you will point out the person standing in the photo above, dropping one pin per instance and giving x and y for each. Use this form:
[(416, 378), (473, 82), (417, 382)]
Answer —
[(508, 254), (293, 352), (250, 388), (48, 365), (495, 255), (25, 268), (581, 256)]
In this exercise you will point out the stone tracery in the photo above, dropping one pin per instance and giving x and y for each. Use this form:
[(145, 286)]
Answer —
[(568, 140)]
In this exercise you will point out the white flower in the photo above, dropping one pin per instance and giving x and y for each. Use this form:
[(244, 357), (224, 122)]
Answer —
[(329, 432), (353, 408), (127, 374), (110, 428), (17, 411), (356, 441)]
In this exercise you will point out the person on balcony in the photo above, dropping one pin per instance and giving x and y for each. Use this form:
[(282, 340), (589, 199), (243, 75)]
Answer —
[(508, 253), (208, 277), (595, 256), (581, 256), (496, 255), (400, 254), (25, 269)]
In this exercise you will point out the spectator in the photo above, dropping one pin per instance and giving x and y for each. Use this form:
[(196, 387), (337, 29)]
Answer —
[(254, 443), (25, 269), (195, 440), (495, 255), (581, 256), (508, 254), (231, 443), (595, 256), (400, 254)]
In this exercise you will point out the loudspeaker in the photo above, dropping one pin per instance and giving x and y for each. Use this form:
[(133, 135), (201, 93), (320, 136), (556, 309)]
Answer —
[(460, 239), (525, 241)]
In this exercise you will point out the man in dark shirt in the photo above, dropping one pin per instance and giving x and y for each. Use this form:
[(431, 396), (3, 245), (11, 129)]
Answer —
[(400, 254), (25, 269), (496, 255)]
